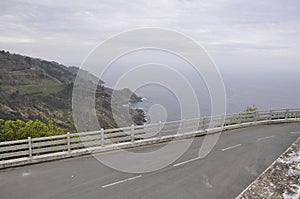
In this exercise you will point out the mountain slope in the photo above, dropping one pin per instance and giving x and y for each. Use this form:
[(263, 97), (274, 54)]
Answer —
[(32, 88)]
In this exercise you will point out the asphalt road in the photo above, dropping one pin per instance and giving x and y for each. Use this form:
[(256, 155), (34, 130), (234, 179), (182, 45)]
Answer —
[(237, 159)]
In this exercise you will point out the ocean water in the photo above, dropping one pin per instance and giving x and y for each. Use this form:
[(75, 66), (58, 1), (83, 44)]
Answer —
[(264, 88), (265, 92)]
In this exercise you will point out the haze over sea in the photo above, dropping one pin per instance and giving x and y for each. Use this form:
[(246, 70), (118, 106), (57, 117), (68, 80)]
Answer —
[(274, 89)]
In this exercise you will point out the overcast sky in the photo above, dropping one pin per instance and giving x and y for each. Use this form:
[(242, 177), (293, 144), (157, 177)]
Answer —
[(242, 34)]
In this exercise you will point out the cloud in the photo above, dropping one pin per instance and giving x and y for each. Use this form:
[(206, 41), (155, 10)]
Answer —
[(67, 30), (16, 40)]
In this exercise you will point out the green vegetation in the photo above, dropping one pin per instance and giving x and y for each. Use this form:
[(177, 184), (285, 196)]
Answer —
[(251, 109), (35, 89), (18, 129)]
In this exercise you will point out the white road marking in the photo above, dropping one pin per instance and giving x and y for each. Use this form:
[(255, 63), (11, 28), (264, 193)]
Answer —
[(26, 173), (265, 138), (181, 163), (296, 132), (121, 181), (231, 147)]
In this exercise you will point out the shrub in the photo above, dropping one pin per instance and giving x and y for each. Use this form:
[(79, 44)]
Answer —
[(18, 129)]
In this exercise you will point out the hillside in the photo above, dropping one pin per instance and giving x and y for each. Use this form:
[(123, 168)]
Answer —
[(32, 88)]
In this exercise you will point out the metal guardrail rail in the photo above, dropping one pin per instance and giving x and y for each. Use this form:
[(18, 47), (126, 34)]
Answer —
[(70, 143)]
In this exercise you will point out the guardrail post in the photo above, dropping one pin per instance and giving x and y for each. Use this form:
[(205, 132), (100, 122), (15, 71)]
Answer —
[(204, 123), (102, 137), (160, 129), (286, 114), (255, 117), (132, 134), (223, 118), (182, 127), (240, 119), (30, 147), (69, 142)]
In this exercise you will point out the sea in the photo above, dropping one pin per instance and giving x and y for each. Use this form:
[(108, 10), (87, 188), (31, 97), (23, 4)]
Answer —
[(265, 88)]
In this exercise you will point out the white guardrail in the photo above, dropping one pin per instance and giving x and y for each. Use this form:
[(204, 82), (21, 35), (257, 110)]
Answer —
[(83, 143)]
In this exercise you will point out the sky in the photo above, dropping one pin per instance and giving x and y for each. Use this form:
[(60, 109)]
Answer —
[(242, 35)]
